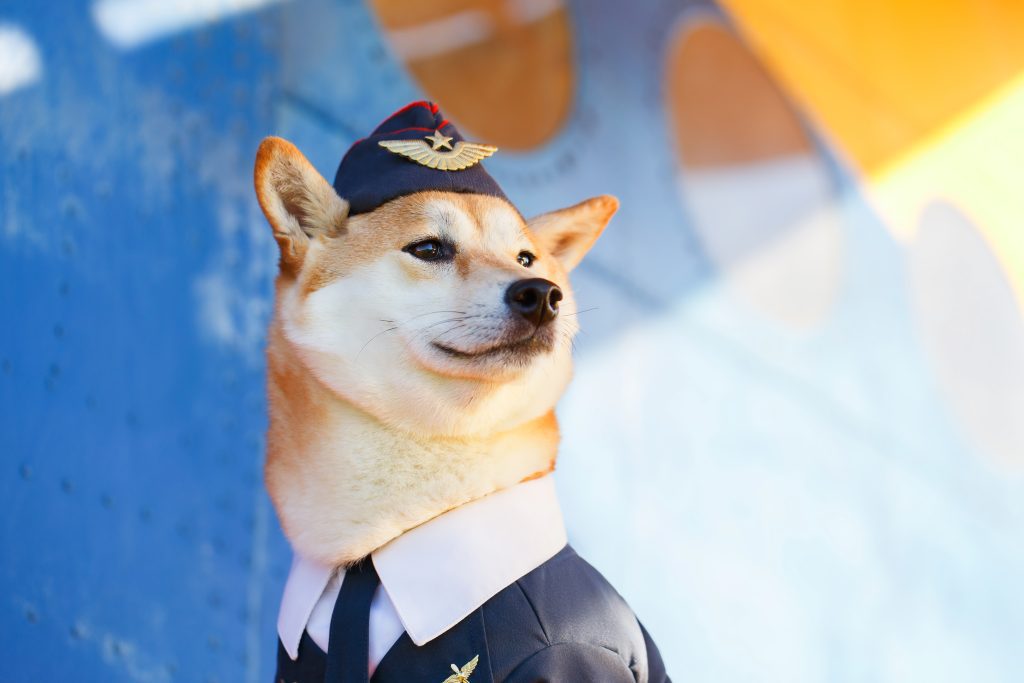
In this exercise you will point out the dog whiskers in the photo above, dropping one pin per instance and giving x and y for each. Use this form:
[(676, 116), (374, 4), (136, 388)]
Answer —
[(431, 313), (441, 322), (423, 331), (446, 332), (390, 329), (567, 340)]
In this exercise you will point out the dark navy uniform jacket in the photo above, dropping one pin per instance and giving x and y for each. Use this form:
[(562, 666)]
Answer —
[(493, 579)]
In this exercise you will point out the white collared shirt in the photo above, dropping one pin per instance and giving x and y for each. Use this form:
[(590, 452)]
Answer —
[(436, 574)]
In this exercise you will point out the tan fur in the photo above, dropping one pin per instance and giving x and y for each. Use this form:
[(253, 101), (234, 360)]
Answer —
[(568, 233), (296, 200), (373, 430)]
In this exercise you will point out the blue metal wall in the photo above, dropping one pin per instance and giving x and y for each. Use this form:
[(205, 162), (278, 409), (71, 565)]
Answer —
[(782, 505), (137, 544)]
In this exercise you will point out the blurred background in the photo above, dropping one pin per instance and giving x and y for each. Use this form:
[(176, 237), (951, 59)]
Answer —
[(795, 440)]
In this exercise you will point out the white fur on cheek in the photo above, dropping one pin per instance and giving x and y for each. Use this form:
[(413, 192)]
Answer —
[(342, 333)]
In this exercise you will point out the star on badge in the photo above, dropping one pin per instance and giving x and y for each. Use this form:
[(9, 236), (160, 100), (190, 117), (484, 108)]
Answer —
[(462, 675), (439, 141), (462, 155)]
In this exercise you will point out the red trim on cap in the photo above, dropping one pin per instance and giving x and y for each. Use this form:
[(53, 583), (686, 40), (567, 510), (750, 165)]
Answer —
[(430, 106), (403, 130)]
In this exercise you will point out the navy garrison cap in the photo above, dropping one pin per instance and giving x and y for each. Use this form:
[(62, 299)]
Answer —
[(413, 150)]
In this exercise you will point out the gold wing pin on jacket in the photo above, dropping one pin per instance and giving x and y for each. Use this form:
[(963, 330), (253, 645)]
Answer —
[(462, 675), (463, 155)]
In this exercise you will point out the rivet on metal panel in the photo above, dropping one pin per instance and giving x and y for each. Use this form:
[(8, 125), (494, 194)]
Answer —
[(219, 545), (225, 504), (78, 631), (185, 530), (70, 207)]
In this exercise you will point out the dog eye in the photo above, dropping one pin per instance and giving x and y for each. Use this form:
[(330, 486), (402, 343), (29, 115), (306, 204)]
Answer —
[(430, 250), (526, 259)]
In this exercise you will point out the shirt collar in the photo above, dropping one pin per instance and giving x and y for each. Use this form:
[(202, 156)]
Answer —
[(439, 572)]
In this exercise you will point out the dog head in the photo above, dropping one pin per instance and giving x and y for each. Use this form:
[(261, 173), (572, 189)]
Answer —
[(440, 313)]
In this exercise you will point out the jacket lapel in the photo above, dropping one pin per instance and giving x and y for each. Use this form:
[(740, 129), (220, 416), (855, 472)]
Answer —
[(431, 663)]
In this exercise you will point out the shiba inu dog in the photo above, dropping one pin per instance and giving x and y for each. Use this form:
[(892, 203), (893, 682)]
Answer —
[(415, 355), (421, 337)]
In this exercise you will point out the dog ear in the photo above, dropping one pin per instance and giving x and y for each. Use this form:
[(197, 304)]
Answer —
[(569, 233), (299, 204)]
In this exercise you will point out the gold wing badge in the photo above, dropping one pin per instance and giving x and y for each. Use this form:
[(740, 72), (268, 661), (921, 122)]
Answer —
[(462, 675), (463, 155)]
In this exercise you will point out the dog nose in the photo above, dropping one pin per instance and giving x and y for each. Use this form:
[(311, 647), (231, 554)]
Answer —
[(536, 299)]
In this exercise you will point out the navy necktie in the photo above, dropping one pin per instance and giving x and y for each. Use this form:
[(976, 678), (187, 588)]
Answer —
[(348, 645)]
